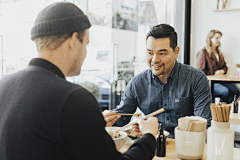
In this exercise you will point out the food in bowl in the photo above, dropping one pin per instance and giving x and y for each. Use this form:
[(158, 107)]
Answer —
[(119, 141), (114, 133), (134, 135), (131, 133)]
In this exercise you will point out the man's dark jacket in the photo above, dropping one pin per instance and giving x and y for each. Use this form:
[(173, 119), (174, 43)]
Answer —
[(45, 117)]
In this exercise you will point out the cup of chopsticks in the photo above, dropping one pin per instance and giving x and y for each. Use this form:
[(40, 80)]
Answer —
[(220, 112)]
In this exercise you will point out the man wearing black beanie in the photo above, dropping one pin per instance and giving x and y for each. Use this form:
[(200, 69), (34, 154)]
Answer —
[(45, 117)]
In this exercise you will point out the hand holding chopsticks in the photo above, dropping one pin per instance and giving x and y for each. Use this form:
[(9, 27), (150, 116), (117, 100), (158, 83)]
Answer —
[(110, 117)]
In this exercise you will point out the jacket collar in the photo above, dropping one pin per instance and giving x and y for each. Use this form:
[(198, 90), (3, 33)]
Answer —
[(47, 65)]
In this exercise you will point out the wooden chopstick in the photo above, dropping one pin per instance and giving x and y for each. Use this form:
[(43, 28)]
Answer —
[(128, 114), (224, 114), (220, 113), (154, 113), (212, 105)]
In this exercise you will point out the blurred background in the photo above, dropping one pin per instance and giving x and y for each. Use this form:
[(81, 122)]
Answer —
[(116, 51)]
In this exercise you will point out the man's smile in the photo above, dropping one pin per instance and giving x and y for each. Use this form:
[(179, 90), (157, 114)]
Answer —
[(157, 66)]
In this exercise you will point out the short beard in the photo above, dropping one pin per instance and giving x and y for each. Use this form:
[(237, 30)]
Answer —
[(162, 71), (72, 70)]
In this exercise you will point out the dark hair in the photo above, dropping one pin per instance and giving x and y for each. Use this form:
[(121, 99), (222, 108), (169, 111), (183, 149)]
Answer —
[(164, 31)]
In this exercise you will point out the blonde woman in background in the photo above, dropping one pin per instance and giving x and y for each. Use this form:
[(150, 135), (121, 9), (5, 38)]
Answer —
[(211, 61)]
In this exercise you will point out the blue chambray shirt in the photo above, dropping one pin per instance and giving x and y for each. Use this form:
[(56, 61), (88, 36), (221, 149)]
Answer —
[(186, 93)]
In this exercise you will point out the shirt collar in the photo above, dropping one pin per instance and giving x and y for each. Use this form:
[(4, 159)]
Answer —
[(47, 65), (174, 71), (172, 74)]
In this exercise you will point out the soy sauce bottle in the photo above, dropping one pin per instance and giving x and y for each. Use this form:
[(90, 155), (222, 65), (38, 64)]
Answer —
[(235, 105), (161, 143)]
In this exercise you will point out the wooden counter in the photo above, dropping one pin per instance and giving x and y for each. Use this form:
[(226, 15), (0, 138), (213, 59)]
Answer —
[(225, 78), (171, 151)]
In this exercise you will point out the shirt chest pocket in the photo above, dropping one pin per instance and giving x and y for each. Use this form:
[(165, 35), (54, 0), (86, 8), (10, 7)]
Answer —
[(183, 106)]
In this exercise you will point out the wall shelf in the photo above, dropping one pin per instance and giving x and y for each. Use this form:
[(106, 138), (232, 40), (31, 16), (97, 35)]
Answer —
[(223, 10)]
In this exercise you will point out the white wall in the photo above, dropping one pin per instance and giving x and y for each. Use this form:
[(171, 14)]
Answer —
[(127, 42), (203, 19)]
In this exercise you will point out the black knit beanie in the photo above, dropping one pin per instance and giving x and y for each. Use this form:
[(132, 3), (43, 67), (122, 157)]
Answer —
[(59, 18)]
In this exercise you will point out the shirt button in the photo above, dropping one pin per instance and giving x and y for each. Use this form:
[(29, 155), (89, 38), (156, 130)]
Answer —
[(165, 105), (167, 118)]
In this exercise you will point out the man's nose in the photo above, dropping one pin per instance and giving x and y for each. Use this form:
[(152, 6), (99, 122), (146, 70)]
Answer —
[(155, 58)]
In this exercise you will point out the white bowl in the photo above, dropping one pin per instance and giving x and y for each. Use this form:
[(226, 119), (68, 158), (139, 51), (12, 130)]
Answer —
[(119, 142)]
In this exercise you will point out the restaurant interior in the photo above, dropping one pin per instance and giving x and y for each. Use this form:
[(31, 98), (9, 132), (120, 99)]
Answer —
[(117, 48)]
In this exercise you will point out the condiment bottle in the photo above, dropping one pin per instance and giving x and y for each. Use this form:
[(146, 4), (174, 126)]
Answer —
[(161, 143), (220, 141), (235, 105)]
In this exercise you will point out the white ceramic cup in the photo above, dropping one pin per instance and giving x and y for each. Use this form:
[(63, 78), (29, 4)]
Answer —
[(189, 145)]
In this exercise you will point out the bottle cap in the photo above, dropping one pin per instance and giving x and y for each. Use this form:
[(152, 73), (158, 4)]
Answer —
[(161, 129), (235, 97)]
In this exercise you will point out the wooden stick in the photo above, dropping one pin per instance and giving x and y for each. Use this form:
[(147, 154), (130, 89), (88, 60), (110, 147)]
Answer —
[(128, 114), (223, 114), (216, 113), (220, 113), (226, 112), (154, 113), (212, 111)]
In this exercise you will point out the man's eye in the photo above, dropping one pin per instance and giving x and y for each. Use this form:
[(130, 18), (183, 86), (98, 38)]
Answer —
[(149, 53)]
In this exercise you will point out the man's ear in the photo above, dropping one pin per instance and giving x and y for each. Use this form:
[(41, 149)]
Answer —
[(72, 40), (176, 52)]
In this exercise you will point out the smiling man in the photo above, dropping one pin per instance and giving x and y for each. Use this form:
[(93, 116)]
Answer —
[(161, 57), (178, 88)]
